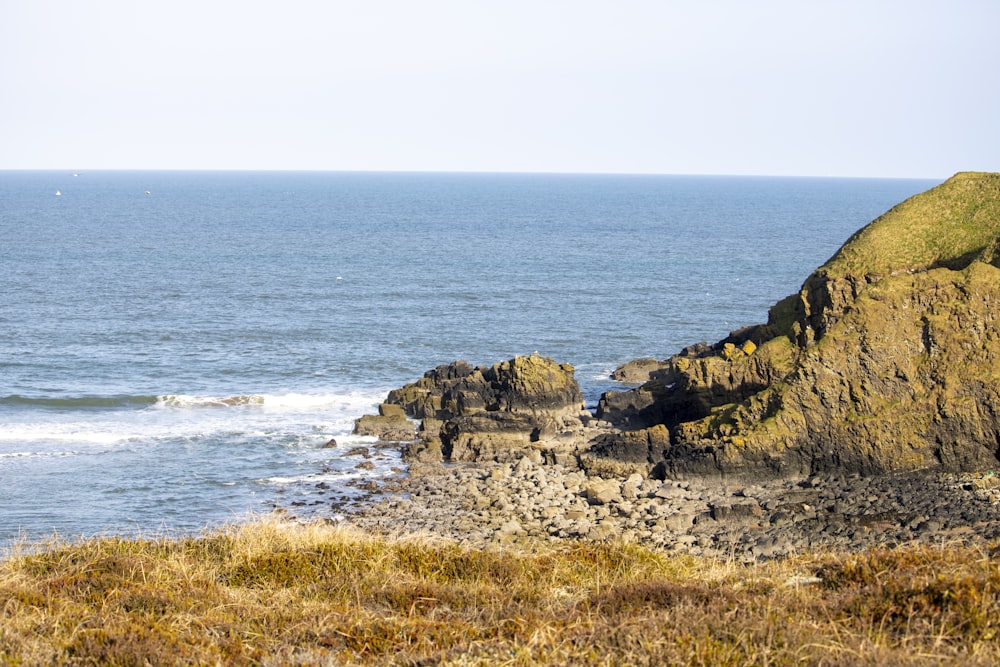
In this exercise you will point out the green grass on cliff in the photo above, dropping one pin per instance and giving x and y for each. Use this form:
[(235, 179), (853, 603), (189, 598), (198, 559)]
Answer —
[(948, 225), (271, 593)]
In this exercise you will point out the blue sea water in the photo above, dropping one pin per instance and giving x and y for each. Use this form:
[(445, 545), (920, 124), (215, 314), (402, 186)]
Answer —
[(177, 347)]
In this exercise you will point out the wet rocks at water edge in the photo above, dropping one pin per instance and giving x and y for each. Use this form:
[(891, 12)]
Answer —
[(510, 476), (390, 424)]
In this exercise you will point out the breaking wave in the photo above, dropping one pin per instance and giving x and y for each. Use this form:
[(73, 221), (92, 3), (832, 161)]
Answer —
[(349, 402)]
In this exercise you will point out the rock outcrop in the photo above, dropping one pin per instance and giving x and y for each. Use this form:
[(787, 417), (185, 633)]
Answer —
[(390, 424), (527, 406), (887, 360)]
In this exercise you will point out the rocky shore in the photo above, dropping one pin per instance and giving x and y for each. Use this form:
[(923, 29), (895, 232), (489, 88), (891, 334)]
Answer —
[(863, 413), (526, 503)]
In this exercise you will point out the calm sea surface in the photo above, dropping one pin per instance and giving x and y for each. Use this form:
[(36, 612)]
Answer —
[(177, 347)]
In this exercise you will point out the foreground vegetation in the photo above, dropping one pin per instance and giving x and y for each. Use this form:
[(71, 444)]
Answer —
[(273, 593)]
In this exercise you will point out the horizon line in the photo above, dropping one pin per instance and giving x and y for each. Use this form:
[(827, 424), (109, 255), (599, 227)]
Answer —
[(460, 172)]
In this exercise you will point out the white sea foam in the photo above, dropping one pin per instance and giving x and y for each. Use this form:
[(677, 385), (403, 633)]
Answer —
[(187, 401), (335, 476), (354, 402), (603, 374), (61, 433)]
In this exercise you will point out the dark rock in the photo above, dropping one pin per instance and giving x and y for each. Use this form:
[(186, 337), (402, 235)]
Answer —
[(780, 517), (486, 436), (638, 370), (737, 512), (638, 408), (528, 384), (646, 446)]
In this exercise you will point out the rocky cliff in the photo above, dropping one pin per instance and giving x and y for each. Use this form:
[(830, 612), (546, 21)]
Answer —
[(888, 359)]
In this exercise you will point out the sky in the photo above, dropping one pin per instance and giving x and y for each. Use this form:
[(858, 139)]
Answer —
[(872, 88)]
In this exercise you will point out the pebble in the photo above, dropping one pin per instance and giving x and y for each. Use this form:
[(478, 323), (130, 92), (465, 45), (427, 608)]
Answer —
[(491, 504)]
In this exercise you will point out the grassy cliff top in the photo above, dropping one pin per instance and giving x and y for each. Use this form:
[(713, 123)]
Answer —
[(949, 225)]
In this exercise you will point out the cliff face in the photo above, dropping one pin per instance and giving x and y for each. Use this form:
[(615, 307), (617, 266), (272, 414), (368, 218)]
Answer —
[(908, 379), (888, 359)]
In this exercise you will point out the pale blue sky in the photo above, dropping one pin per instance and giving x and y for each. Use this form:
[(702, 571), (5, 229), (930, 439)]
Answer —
[(840, 88)]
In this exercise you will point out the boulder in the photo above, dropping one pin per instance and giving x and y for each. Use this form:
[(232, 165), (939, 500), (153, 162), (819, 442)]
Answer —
[(637, 370), (624, 453), (603, 491), (533, 385), (488, 436), (390, 424)]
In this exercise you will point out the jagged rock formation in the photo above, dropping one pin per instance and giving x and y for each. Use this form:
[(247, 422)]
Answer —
[(527, 405), (888, 359)]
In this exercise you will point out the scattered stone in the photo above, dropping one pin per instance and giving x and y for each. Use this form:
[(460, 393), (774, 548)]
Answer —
[(603, 492), (736, 512), (800, 414), (501, 503), (359, 451)]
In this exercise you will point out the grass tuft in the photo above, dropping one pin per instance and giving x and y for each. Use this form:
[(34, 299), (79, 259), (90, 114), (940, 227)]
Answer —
[(272, 593)]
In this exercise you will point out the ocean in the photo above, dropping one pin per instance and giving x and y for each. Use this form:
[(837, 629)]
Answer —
[(177, 348)]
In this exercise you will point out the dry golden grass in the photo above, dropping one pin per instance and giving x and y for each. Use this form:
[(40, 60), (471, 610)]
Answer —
[(272, 593)]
